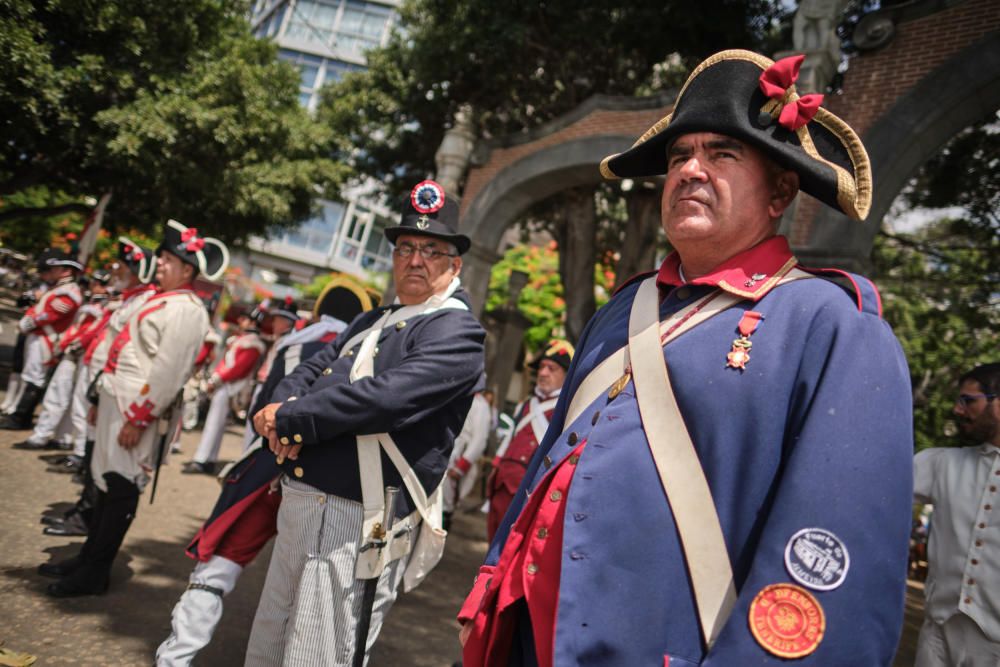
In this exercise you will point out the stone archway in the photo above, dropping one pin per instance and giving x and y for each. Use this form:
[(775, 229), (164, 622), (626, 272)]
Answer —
[(963, 91)]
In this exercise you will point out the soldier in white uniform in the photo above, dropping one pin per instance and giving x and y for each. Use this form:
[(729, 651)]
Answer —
[(42, 324), (148, 363), (131, 277)]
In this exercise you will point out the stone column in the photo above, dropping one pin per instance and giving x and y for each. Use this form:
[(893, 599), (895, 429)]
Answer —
[(506, 327), (452, 156)]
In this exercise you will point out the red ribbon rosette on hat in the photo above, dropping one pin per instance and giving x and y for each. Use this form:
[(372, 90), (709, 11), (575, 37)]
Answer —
[(192, 242), (777, 82)]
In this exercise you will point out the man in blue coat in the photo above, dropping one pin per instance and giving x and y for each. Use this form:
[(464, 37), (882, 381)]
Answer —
[(738, 491), (405, 373)]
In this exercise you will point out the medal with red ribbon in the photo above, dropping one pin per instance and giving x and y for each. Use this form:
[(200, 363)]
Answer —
[(739, 356)]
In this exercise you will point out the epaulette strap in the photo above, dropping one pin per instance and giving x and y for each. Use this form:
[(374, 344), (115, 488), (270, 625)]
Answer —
[(866, 295), (636, 278)]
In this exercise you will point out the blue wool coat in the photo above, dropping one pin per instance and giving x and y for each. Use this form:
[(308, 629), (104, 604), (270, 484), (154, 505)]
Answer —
[(816, 432), (426, 374)]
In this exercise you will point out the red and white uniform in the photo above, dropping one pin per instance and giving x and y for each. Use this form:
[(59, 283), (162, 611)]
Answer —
[(148, 362), (230, 377), (514, 453), (44, 323), (469, 448), (55, 420)]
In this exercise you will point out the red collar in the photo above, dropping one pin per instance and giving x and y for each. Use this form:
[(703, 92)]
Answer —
[(132, 291), (750, 274)]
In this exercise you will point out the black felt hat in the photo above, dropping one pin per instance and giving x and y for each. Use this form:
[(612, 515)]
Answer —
[(286, 308), (343, 299), (210, 256), (428, 212), (140, 261), (559, 351), (744, 95), (51, 258)]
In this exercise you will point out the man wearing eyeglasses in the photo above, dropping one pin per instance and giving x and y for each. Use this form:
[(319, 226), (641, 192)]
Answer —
[(398, 381), (962, 612)]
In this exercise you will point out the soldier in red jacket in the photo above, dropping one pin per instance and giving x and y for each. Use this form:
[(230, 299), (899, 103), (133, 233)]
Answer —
[(531, 418), (42, 324)]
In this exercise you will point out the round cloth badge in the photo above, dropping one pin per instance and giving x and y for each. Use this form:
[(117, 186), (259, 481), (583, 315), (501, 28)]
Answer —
[(817, 559), (427, 197), (787, 621)]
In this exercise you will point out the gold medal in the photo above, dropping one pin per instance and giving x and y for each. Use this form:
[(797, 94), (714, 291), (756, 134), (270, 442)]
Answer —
[(619, 384)]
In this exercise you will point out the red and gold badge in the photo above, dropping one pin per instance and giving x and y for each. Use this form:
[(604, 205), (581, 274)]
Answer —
[(787, 620), (739, 356)]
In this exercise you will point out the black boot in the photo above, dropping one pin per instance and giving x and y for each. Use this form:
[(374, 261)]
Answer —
[(24, 414), (64, 568), (112, 519)]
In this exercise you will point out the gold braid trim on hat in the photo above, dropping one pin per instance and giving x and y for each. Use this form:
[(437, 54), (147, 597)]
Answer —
[(853, 194), (606, 170)]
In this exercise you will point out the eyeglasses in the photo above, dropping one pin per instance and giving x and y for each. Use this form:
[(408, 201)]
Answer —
[(429, 251), (965, 399)]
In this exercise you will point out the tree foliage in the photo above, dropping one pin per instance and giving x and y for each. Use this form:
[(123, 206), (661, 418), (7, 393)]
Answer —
[(541, 300), (940, 283), (174, 107), (518, 65)]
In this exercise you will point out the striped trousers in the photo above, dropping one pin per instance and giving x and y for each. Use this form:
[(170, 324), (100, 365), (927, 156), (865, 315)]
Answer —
[(311, 602)]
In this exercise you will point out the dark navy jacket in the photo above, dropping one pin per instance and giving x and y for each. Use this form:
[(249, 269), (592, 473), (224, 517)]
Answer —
[(426, 374), (815, 433)]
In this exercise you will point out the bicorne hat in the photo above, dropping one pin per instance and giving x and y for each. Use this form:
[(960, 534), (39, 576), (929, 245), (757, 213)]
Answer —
[(343, 299), (140, 261), (428, 212), (50, 258), (559, 351), (746, 96), (210, 256)]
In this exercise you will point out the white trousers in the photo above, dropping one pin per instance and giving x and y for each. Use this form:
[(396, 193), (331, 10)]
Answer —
[(957, 643), (82, 430), (311, 602), (55, 414), (198, 612), (36, 353), (15, 385), (215, 427)]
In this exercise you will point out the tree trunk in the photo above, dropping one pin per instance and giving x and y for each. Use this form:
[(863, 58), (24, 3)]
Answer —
[(577, 239), (638, 250)]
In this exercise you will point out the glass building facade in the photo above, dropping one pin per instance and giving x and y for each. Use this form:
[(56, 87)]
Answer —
[(325, 39)]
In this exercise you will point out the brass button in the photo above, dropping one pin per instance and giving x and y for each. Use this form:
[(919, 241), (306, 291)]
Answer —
[(375, 351), (350, 353), (573, 459), (283, 440), (532, 568), (297, 438), (298, 471), (593, 420), (573, 438), (400, 324), (555, 496), (321, 500), (293, 398), (327, 371), (547, 460), (683, 292), (523, 459), (542, 533)]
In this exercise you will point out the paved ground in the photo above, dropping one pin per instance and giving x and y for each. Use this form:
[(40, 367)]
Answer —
[(125, 626)]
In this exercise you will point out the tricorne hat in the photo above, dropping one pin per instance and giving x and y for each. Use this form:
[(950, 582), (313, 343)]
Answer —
[(746, 96), (50, 258), (557, 350), (210, 256), (343, 299), (140, 260), (428, 212)]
